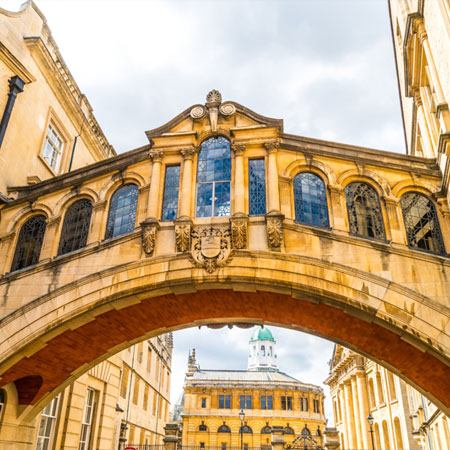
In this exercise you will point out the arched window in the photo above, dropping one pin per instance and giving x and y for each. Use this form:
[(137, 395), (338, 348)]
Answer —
[(371, 394), (224, 429), (245, 429), (310, 200), (269, 353), (421, 223), (288, 430), (202, 427), (214, 178), (122, 211), (398, 433), (377, 436), (364, 211), (380, 389), (263, 350), (75, 227), (266, 430), (386, 435), (29, 243)]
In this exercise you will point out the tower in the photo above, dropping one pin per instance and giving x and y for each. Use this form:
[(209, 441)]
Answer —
[(262, 354)]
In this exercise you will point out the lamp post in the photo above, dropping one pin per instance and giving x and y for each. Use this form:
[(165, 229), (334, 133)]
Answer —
[(242, 416), (370, 422)]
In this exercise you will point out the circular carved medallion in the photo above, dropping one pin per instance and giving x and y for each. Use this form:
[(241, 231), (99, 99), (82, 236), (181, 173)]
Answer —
[(198, 111), (227, 109)]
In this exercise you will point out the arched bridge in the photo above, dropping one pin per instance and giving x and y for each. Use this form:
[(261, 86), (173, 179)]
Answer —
[(223, 217)]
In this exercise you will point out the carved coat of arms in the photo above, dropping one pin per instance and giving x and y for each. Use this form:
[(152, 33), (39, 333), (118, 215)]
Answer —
[(210, 247)]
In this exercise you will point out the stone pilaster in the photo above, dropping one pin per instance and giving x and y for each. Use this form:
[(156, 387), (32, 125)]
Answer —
[(186, 182), (338, 207), (361, 386), (50, 242), (239, 182), (394, 222), (6, 251), (272, 176), (154, 194), (97, 219), (356, 414)]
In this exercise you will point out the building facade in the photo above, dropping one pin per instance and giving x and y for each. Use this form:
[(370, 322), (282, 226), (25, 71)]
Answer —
[(403, 418), (212, 400), (48, 129)]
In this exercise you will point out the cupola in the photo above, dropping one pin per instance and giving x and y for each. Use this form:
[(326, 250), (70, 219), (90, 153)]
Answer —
[(262, 354)]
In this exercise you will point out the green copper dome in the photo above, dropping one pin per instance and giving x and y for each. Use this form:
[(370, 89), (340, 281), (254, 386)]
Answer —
[(262, 334)]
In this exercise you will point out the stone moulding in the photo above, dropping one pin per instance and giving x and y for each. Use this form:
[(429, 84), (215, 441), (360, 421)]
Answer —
[(274, 222), (210, 247), (239, 231), (149, 229)]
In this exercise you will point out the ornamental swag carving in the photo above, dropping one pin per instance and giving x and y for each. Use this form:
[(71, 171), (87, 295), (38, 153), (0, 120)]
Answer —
[(183, 237), (148, 235), (210, 247), (275, 230)]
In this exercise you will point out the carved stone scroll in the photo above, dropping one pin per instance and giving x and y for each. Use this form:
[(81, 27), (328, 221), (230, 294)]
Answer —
[(274, 222), (211, 247), (183, 227), (239, 231), (149, 229)]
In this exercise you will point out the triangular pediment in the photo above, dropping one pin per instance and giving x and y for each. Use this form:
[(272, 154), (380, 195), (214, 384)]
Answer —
[(215, 117)]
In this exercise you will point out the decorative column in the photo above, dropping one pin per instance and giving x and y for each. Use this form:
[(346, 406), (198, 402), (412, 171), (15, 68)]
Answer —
[(363, 408), (395, 227), (98, 210), (343, 412), (183, 224), (6, 241), (356, 414), (50, 243), (338, 207), (239, 220), (349, 415), (274, 218), (150, 225)]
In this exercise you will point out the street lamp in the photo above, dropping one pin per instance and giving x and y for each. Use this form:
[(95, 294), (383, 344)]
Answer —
[(370, 421), (242, 416)]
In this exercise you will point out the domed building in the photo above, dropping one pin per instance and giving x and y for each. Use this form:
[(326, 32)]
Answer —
[(213, 399)]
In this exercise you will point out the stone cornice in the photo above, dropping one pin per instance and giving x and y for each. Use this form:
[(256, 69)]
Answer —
[(15, 65)]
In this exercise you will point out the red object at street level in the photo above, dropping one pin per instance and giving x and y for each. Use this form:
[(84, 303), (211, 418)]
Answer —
[(130, 447)]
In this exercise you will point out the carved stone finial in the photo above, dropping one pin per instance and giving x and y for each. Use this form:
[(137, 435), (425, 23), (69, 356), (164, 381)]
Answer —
[(274, 222), (155, 155), (149, 229), (188, 153), (214, 96), (238, 149), (271, 146)]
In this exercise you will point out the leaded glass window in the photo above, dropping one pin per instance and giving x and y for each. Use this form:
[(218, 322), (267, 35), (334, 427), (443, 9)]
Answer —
[(421, 223), (171, 188), (122, 211), (75, 227), (364, 211), (214, 178), (310, 200), (257, 186), (224, 429), (29, 243)]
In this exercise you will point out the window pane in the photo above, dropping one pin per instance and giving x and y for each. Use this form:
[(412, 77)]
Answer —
[(122, 211), (171, 189), (269, 402), (75, 227), (364, 211), (257, 186), (310, 200), (213, 178), (29, 243), (421, 223), (242, 402)]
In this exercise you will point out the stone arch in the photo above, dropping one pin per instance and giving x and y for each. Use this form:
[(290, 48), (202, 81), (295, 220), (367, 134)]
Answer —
[(71, 197), (311, 165), (119, 180), (358, 309), (206, 134), (26, 213), (366, 176), (404, 186)]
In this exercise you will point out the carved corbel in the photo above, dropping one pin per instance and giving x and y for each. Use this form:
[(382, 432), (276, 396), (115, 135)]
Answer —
[(149, 230), (183, 227), (239, 231), (274, 223)]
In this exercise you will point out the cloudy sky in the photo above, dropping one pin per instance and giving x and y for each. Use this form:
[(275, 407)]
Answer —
[(325, 67)]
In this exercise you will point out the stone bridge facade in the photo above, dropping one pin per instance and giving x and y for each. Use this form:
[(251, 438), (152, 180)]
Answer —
[(344, 242)]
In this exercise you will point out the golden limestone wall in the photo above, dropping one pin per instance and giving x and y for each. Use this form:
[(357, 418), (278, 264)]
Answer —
[(403, 418), (50, 97)]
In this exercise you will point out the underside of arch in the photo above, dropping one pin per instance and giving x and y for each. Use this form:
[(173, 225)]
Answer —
[(73, 351)]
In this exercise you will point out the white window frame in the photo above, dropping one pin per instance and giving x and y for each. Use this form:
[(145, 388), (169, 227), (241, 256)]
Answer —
[(53, 149), (47, 425), (88, 419)]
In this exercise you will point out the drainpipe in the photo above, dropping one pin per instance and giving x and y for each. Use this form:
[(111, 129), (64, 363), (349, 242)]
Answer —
[(75, 144), (16, 85)]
